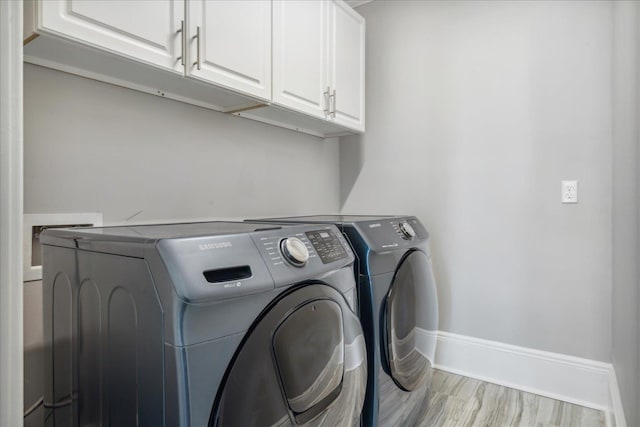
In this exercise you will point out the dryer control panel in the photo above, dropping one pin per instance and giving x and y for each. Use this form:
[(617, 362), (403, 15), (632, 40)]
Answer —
[(392, 233)]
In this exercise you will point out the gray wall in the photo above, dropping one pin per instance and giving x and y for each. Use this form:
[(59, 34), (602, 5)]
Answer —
[(94, 147), (475, 113), (625, 206)]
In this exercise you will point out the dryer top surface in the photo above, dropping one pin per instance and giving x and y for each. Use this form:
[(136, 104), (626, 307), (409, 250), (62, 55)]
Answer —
[(333, 219)]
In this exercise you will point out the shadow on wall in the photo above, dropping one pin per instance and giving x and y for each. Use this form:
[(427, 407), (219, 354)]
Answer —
[(33, 385), (351, 166), (351, 163)]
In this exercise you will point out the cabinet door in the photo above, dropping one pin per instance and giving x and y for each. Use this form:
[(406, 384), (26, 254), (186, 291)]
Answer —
[(230, 44), (142, 30), (300, 60), (346, 75)]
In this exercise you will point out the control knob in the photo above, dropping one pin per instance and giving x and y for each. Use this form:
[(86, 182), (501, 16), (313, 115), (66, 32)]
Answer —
[(294, 251), (407, 230)]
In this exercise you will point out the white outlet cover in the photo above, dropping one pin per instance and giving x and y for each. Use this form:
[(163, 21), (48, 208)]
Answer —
[(570, 191), (34, 272)]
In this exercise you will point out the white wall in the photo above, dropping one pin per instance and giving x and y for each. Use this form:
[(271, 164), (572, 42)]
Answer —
[(625, 326), (475, 113)]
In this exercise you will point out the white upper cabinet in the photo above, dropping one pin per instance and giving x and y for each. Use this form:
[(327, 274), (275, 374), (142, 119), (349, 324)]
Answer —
[(346, 72), (143, 30), (300, 55), (318, 60), (217, 54), (230, 44)]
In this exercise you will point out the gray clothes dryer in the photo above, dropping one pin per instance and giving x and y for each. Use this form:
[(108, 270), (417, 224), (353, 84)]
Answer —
[(201, 324), (398, 308)]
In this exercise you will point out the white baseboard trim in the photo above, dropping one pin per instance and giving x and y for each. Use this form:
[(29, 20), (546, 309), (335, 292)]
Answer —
[(570, 379), (615, 417)]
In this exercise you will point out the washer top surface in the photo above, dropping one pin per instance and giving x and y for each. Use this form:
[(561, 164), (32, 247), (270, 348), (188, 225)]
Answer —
[(154, 232), (200, 256)]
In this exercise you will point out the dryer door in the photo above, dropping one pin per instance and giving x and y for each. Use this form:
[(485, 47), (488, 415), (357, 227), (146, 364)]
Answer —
[(303, 362), (409, 322)]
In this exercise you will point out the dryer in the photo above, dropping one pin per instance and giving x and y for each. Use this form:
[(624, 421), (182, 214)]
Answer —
[(201, 324), (398, 307)]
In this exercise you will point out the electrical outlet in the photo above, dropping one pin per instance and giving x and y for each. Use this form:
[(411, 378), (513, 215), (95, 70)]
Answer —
[(570, 191)]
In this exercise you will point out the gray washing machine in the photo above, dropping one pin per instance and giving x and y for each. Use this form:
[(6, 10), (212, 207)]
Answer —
[(201, 324), (398, 310)]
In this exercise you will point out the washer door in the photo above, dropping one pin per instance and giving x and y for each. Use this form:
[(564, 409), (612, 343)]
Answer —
[(409, 321), (303, 362)]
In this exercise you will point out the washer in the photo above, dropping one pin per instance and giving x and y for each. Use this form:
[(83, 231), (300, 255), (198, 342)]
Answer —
[(398, 310), (202, 324)]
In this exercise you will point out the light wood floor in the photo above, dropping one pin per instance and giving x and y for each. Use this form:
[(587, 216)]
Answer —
[(464, 402)]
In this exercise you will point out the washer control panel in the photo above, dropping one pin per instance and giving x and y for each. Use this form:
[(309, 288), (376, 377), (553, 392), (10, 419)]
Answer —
[(277, 252), (405, 230), (294, 251), (327, 245), (298, 252)]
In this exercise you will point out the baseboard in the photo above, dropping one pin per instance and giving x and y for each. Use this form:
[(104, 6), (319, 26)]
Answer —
[(615, 417), (570, 379)]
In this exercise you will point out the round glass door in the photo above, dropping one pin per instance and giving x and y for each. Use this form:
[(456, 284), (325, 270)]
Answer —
[(409, 322), (302, 363)]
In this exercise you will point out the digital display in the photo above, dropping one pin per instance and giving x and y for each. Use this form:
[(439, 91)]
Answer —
[(327, 245)]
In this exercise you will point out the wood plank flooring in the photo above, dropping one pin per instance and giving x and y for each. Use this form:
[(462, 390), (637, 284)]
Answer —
[(459, 401)]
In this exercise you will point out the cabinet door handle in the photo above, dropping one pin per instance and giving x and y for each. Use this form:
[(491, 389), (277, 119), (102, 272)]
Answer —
[(183, 42), (327, 106), (333, 96), (197, 37)]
